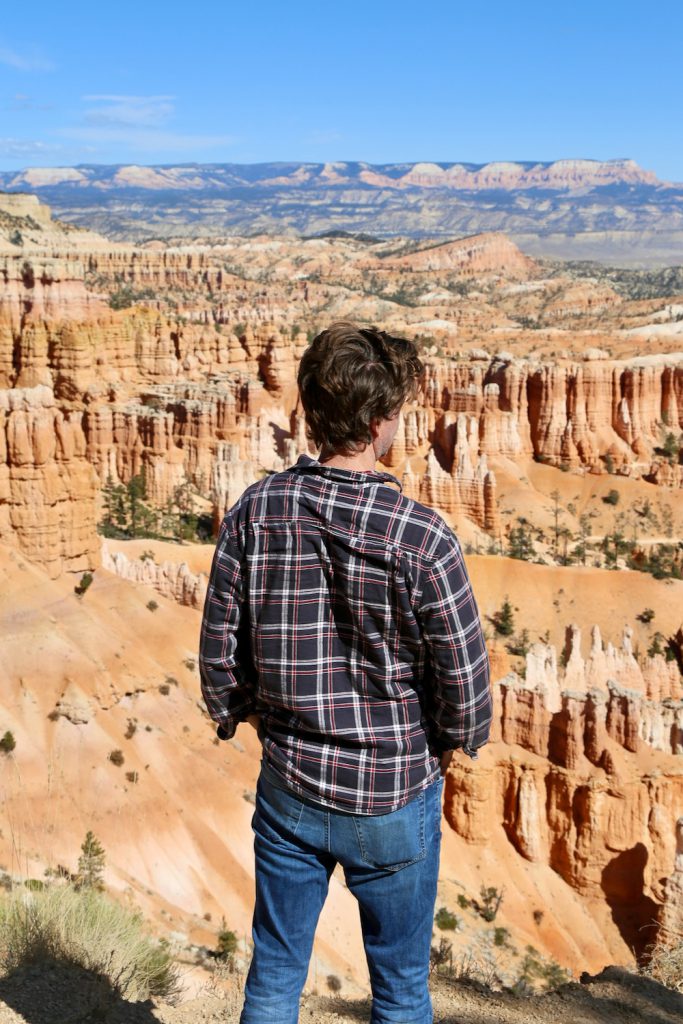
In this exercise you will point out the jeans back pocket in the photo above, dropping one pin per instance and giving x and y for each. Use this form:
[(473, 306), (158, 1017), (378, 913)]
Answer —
[(276, 807), (392, 841)]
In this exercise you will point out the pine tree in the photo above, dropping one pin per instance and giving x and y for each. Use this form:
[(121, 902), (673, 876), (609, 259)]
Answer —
[(504, 619), (91, 863), (115, 519), (137, 492), (555, 495), (520, 541)]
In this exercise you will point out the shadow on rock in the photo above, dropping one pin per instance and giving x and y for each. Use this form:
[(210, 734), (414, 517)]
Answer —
[(615, 995), (49, 993), (345, 1009), (634, 913)]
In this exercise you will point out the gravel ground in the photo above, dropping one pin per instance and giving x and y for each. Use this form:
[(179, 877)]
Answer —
[(51, 995)]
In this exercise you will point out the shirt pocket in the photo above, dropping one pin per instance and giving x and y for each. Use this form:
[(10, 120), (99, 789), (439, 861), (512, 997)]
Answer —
[(395, 840)]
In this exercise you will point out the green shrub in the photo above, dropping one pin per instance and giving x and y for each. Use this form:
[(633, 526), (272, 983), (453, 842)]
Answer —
[(333, 983), (116, 757), (537, 972), (519, 645), (34, 884), (226, 945), (152, 605), (82, 928), (446, 920), (661, 560), (86, 580), (611, 498), (8, 743), (125, 296), (491, 899), (91, 863), (671, 447)]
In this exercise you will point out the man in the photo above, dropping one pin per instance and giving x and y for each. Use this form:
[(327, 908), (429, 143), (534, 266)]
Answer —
[(340, 614)]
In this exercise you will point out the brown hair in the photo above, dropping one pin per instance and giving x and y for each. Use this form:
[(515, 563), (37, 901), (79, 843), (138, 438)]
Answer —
[(350, 376)]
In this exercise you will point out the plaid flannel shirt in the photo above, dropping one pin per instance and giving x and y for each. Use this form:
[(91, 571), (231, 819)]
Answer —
[(341, 612)]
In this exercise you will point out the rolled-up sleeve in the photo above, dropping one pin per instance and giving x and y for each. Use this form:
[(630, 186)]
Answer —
[(225, 665), (458, 676)]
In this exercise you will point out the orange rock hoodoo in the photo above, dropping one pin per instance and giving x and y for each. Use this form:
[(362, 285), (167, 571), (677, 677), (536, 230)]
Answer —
[(127, 392)]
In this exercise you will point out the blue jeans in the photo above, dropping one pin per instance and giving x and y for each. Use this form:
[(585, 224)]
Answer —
[(391, 864)]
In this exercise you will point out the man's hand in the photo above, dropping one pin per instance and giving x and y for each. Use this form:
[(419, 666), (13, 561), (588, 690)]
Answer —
[(255, 722), (446, 760)]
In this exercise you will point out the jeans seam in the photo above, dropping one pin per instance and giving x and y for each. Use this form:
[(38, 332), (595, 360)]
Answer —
[(359, 835), (296, 820)]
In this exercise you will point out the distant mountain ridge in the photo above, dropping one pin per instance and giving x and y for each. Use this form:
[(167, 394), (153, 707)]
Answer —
[(557, 174), (612, 210)]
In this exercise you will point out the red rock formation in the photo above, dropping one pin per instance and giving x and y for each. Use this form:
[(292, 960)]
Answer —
[(569, 791), (487, 253), (566, 413), (48, 488), (671, 917)]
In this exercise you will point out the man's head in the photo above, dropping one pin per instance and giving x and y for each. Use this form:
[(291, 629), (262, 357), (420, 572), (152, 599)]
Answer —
[(352, 379)]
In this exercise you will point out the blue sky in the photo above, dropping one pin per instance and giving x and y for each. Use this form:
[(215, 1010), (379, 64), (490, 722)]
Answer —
[(148, 82)]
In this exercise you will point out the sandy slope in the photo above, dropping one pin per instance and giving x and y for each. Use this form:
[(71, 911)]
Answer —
[(177, 833)]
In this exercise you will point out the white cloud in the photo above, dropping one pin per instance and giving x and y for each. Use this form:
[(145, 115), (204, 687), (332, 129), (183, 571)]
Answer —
[(135, 127), (21, 148), (130, 111), (25, 62), (20, 102), (147, 140)]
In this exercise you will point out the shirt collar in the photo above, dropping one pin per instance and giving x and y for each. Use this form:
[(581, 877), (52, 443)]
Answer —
[(305, 464)]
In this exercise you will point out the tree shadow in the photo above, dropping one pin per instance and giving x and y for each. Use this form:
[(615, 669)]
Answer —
[(51, 993), (634, 913), (346, 1009), (615, 994)]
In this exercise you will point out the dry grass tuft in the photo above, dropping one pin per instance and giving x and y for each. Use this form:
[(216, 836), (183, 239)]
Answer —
[(83, 928), (665, 963)]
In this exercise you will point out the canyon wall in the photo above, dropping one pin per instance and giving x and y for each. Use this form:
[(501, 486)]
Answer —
[(582, 771), (91, 395)]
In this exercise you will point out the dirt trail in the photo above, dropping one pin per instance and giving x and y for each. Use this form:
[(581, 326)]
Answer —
[(45, 995)]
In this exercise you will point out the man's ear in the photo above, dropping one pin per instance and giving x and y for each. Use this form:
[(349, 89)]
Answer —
[(374, 428)]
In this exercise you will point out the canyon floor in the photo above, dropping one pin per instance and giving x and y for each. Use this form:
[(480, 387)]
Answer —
[(40, 996)]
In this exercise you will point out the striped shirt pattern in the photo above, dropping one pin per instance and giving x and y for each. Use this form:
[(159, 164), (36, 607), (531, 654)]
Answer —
[(341, 612)]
